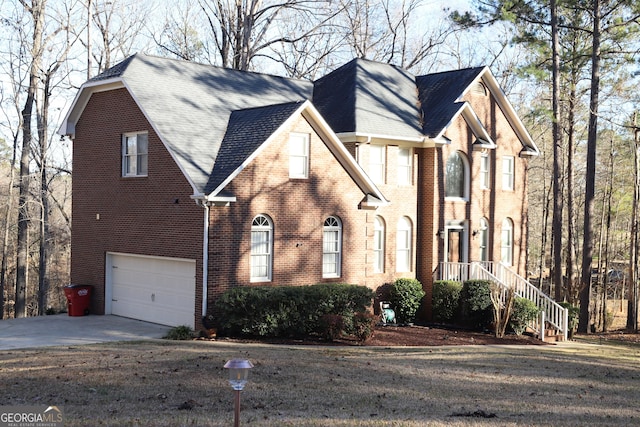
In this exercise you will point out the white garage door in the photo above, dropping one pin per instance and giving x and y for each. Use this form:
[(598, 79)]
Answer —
[(158, 290)]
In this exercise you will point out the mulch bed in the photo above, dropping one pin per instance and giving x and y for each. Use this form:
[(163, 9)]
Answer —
[(436, 336), (409, 336)]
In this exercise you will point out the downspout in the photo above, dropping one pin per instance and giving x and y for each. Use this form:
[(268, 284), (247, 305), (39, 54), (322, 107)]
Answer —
[(205, 257)]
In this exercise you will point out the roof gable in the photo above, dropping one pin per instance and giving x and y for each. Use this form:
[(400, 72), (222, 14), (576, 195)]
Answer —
[(439, 96), (247, 131), (189, 104)]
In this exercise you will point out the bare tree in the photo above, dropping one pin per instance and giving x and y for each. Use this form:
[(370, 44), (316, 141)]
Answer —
[(242, 30), (36, 10)]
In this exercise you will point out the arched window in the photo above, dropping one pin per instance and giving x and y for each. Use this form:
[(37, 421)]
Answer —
[(261, 248), (331, 247), (479, 89), (457, 176), (506, 245), (378, 245), (484, 239), (403, 245)]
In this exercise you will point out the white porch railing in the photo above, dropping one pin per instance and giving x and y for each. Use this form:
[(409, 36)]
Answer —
[(551, 312)]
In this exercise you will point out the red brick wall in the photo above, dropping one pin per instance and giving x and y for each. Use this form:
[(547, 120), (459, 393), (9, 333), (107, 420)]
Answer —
[(298, 208), (151, 215), (141, 216), (495, 204)]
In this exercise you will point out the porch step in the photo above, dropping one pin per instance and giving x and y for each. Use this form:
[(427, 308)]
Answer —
[(551, 335)]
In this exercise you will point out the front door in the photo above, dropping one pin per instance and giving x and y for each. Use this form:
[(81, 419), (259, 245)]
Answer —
[(454, 245)]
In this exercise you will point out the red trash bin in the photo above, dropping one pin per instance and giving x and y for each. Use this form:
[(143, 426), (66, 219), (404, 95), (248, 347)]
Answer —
[(78, 299)]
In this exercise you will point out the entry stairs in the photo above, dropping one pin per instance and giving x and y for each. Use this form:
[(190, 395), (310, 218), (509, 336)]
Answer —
[(553, 322)]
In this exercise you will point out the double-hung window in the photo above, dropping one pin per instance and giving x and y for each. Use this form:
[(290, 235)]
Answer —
[(331, 247), (299, 155), (377, 163), (135, 154), (484, 170), (261, 249), (508, 174), (404, 166), (403, 245)]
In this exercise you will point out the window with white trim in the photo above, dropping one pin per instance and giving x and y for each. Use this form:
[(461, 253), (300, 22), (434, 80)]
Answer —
[(506, 244), (508, 173), (485, 167), (261, 249), (378, 245), (484, 239), (135, 154), (331, 247), (404, 166), (403, 245), (377, 163), (457, 177), (299, 155)]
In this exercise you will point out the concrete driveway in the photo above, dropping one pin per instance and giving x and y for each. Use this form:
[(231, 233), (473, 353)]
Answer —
[(62, 329)]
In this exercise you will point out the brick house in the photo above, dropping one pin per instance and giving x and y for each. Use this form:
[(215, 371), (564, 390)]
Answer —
[(190, 179)]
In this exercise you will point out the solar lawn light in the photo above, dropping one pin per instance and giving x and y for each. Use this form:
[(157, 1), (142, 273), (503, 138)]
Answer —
[(238, 375)]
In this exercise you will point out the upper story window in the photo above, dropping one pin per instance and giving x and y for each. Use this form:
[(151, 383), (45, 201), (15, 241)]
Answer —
[(508, 173), (506, 244), (135, 154), (403, 245), (331, 247), (484, 239), (377, 163), (404, 166), (378, 245), (261, 249), (457, 177), (485, 169), (298, 155)]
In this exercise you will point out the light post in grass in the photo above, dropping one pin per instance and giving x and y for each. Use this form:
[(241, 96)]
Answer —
[(238, 375)]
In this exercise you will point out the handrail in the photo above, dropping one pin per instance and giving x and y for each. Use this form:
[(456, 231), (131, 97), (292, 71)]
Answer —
[(554, 313)]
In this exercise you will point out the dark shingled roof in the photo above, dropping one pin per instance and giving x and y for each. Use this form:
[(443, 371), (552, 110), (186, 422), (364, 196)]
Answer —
[(374, 98), (439, 93), (369, 97), (247, 130), (189, 104), (213, 119)]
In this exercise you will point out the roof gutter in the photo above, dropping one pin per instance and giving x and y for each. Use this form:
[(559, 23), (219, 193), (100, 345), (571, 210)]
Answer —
[(366, 138)]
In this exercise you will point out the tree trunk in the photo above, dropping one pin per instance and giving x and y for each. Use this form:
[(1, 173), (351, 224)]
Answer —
[(632, 302), (36, 10), (43, 123), (558, 203), (571, 221), (587, 243)]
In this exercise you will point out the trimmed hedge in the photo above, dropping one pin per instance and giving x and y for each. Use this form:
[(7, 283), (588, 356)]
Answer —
[(405, 296), (477, 308), (289, 311), (446, 300)]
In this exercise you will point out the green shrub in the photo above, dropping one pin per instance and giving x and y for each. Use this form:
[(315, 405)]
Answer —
[(446, 300), (364, 324), (179, 333), (405, 296), (477, 308), (332, 326), (288, 311), (523, 312)]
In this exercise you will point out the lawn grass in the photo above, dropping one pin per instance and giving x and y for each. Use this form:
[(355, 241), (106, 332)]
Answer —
[(169, 383)]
